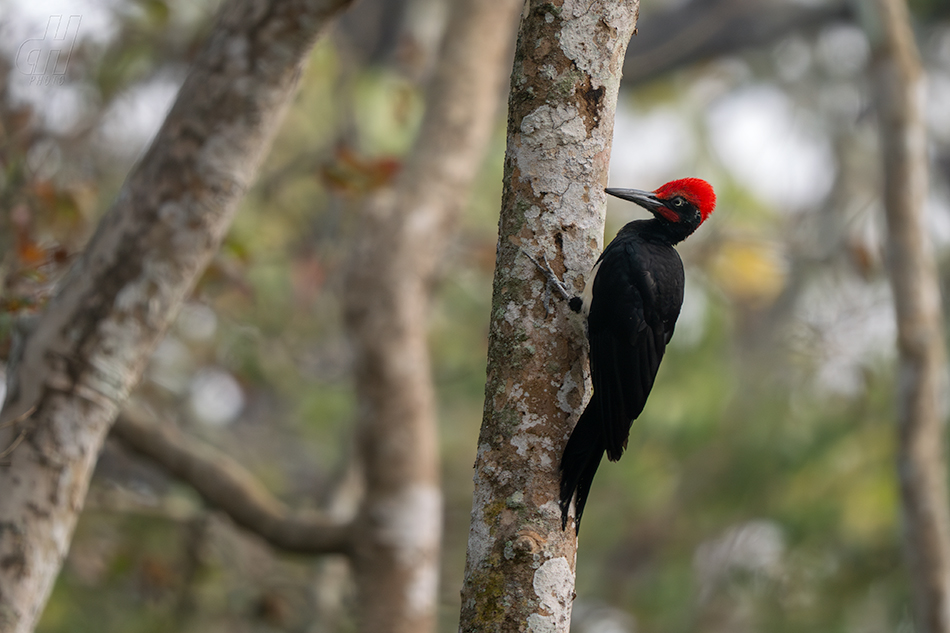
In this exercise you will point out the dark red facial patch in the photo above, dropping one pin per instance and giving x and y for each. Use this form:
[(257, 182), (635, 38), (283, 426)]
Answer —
[(668, 213)]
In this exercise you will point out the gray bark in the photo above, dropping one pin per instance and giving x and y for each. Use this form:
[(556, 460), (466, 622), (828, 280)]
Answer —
[(88, 348), (922, 380), (402, 241), (520, 566)]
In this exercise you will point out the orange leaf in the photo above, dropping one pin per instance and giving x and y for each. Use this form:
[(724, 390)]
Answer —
[(29, 252)]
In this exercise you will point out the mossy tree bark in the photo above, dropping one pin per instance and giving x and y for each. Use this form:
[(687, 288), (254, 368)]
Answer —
[(520, 567)]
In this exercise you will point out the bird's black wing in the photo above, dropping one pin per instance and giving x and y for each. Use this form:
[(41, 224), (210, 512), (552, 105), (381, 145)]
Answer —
[(628, 326)]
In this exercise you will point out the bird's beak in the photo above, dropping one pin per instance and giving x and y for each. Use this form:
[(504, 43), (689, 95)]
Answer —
[(646, 199)]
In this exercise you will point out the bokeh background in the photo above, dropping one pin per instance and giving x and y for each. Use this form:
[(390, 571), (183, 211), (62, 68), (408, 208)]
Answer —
[(759, 493)]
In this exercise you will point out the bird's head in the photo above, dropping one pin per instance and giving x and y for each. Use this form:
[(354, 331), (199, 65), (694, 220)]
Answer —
[(688, 201)]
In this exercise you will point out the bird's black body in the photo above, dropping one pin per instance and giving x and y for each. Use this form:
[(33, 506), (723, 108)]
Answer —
[(632, 300)]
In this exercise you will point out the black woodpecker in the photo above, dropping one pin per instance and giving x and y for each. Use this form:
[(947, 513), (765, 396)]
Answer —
[(631, 301)]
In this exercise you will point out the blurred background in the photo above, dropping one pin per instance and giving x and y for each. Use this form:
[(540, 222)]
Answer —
[(759, 492)]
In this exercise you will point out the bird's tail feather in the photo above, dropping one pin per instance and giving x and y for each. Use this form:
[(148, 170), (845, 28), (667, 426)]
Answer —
[(582, 456)]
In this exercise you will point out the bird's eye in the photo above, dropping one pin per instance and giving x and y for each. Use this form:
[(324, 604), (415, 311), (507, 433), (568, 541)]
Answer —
[(678, 202)]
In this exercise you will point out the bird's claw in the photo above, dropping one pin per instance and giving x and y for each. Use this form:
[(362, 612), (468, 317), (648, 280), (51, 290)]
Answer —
[(552, 281)]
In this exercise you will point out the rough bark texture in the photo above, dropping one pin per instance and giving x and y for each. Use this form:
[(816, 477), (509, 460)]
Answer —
[(922, 380), (520, 568), (226, 485), (87, 350), (387, 307)]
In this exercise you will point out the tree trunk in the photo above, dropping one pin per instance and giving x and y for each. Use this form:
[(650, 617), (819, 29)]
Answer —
[(922, 380), (387, 306), (520, 567), (88, 349)]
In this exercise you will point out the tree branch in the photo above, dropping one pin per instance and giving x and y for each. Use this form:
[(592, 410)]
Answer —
[(702, 30), (227, 486)]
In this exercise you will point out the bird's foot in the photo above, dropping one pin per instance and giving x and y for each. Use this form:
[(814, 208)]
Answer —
[(552, 281)]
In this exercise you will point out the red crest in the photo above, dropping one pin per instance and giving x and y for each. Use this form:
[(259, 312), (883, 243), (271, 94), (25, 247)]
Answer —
[(695, 190)]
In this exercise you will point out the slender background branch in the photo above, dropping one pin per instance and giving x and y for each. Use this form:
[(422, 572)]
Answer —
[(702, 30), (227, 486), (922, 379)]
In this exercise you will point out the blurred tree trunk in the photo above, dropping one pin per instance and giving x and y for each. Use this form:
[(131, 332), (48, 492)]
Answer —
[(398, 253), (87, 350), (922, 380), (520, 567)]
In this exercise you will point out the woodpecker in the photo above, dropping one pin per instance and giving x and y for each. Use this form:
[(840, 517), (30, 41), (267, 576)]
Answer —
[(631, 301)]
